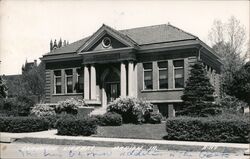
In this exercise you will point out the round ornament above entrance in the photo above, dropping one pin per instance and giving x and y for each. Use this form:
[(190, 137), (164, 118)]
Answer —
[(106, 42)]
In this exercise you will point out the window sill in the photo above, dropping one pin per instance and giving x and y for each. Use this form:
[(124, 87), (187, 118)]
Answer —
[(66, 94), (163, 90)]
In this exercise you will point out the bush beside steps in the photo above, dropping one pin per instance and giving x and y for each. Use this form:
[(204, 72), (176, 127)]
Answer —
[(109, 119), (74, 127), (23, 124)]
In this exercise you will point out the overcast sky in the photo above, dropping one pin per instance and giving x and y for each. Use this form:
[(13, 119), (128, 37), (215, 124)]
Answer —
[(26, 27)]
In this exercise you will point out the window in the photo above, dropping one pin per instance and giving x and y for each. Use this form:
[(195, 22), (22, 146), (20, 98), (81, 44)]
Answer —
[(148, 83), (163, 75), (57, 82), (106, 42), (80, 81), (179, 73), (69, 80)]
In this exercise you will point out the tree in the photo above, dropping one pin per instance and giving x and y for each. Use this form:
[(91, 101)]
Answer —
[(3, 88), (60, 43), (198, 95), (34, 80), (240, 86), (228, 40)]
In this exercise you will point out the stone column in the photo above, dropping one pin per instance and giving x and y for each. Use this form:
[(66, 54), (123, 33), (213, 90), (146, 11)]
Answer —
[(123, 80), (86, 82), (135, 80), (171, 111), (130, 78), (93, 82)]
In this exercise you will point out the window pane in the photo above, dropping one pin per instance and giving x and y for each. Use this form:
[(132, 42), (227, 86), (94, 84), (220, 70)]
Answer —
[(179, 83), (58, 89), (57, 73), (178, 73), (148, 84), (69, 89), (69, 72), (179, 63), (147, 75), (163, 83), (58, 81), (163, 74), (163, 64), (69, 80), (147, 66)]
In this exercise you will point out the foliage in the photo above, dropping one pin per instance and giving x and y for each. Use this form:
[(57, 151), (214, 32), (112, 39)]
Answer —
[(240, 85), (3, 88), (228, 40), (42, 110), (231, 104), (212, 129), (155, 118), (17, 106), (198, 95), (22, 124), (74, 127), (109, 119), (69, 106), (132, 110), (34, 80)]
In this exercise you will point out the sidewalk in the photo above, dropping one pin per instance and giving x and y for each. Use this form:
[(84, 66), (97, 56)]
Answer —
[(51, 134)]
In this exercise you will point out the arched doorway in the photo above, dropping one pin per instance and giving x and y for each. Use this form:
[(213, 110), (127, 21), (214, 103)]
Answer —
[(110, 85)]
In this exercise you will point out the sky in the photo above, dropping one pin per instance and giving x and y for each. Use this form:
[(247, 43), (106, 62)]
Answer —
[(26, 27)]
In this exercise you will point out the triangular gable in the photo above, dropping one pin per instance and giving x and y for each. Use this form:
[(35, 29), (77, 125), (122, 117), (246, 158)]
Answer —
[(103, 31)]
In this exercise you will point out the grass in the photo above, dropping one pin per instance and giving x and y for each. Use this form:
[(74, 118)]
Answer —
[(144, 131)]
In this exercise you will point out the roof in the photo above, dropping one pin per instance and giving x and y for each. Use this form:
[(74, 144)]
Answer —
[(140, 36)]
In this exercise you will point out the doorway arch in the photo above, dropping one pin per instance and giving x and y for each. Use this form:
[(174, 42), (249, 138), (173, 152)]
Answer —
[(110, 80)]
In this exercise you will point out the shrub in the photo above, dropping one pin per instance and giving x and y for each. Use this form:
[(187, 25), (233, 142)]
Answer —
[(42, 110), (131, 109), (154, 118), (22, 124), (212, 129), (74, 127), (17, 106), (69, 106), (109, 119), (231, 104)]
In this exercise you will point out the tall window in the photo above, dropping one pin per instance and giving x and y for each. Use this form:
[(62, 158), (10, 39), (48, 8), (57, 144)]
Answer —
[(163, 74), (69, 80), (80, 81), (148, 83), (57, 82), (179, 73)]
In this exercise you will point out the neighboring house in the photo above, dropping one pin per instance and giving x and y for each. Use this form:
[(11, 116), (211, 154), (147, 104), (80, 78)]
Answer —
[(151, 63)]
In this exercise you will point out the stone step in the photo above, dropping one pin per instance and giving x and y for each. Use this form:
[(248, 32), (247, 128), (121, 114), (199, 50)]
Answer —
[(98, 111)]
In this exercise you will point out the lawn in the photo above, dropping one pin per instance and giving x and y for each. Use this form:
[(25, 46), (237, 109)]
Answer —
[(144, 131)]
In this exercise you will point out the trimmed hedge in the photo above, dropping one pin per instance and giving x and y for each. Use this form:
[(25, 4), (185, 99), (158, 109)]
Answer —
[(109, 119), (22, 124), (75, 127), (213, 129)]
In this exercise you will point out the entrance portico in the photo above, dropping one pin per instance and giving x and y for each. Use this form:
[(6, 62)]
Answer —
[(104, 83)]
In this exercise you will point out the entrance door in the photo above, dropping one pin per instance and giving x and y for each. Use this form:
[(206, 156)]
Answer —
[(113, 91)]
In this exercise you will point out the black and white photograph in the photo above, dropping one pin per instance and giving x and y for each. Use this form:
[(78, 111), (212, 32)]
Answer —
[(121, 79)]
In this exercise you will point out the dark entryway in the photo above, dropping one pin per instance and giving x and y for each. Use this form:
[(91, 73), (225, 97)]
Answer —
[(112, 90)]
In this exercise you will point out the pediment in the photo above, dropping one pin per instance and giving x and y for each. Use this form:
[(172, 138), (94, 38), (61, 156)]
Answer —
[(106, 39), (107, 42)]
